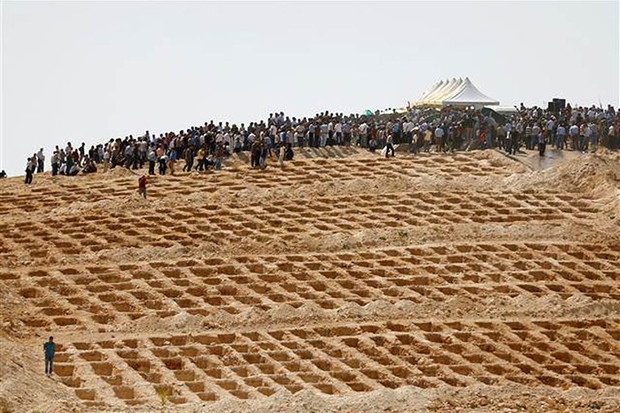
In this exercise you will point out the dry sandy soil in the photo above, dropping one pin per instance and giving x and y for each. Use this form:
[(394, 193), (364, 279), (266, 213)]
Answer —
[(472, 282)]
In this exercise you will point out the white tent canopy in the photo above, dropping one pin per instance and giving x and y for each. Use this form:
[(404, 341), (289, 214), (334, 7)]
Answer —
[(454, 88), (439, 91), (425, 97), (455, 93), (431, 90)]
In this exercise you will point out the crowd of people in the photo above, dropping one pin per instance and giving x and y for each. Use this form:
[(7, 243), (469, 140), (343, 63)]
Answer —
[(421, 129)]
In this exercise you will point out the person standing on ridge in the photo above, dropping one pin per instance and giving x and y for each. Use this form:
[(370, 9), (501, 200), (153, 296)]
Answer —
[(31, 166), (40, 161)]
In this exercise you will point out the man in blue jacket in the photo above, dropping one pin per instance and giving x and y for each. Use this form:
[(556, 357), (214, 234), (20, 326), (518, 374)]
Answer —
[(49, 348)]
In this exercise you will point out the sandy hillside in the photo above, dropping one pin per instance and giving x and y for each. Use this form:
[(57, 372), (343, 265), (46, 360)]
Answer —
[(472, 282)]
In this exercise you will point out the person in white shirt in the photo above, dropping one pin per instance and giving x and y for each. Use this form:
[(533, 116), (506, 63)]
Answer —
[(55, 163), (324, 128), (281, 154), (330, 133), (152, 158), (573, 131), (106, 159), (338, 131), (237, 143), (219, 138), (300, 134), (389, 145), (560, 137), (613, 141), (74, 170), (40, 161), (592, 112), (549, 125), (439, 133), (31, 166), (363, 129)]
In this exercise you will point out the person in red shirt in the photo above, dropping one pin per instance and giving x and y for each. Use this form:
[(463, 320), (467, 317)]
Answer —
[(142, 186)]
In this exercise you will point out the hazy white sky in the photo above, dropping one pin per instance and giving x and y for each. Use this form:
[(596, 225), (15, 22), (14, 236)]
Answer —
[(88, 71)]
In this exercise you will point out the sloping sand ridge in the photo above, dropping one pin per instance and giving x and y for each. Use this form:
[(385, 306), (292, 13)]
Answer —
[(344, 282)]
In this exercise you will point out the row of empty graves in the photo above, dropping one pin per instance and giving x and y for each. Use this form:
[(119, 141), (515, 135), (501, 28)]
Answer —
[(111, 294), (300, 172), (345, 358), (191, 226)]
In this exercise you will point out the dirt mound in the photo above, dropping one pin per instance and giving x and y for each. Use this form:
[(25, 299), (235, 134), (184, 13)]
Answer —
[(594, 174)]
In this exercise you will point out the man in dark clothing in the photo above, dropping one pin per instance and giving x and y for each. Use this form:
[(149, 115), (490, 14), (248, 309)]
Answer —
[(255, 154), (289, 152), (188, 155), (49, 349), (162, 164), (514, 142), (55, 163), (135, 157), (30, 168), (82, 152)]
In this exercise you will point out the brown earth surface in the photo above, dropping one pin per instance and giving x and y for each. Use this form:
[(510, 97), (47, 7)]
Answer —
[(473, 282)]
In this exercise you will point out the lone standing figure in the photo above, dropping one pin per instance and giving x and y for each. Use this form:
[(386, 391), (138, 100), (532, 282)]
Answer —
[(142, 186), (49, 348)]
